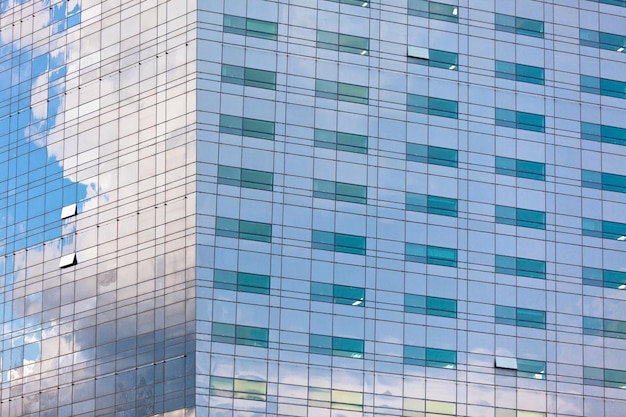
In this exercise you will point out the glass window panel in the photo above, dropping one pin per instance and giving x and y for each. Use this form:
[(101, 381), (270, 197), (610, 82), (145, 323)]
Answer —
[(432, 155), (226, 280), (519, 25), (360, 3), (603, 86), (250, 27), (531, 369), (243, 229), (246, 127), (441, 358), (340, 141), (434, 10), (414, 355), (432, 106), (250, 390)]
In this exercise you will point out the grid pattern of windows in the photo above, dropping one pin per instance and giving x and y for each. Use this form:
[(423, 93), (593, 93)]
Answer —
[(336, 346), (243, 126), (520, 120), (434, 10), (603, 133), (432, 204), (340, 191), (519, 25), (436, 358), (602, 86), (604, 229), (604, 181), (337, 294), (239, 335), (522, 267), (521, 217), (432, 106), (250, 77), (434, 255), (250, 27), (433, 58), (522, 317), (340, 141), (241, 281), (324, 174), (342, 91), (520, 72), (520, 168), (243, 229), (432, 306), (432, 155), (343, 43), (242, 177), (338, 242)]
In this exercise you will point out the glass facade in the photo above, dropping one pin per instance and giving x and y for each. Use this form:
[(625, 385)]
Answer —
[(331, 208)]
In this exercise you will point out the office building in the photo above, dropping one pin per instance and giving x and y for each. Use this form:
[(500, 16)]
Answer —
[(313, 208)]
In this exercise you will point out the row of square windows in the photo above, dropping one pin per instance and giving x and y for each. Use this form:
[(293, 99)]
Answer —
[(355, 44), (412, 355), (338, 399), (434, 255), (355, 348), (425, 4), (354, 193), (428, 305), (416, 103)]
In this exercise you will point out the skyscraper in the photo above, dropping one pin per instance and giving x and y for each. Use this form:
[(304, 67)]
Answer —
[(313, 208)]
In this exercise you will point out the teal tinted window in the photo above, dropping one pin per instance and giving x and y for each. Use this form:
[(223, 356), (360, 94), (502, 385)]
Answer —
[(432, 106), (343, 43), (604, 278), (531, 369), (602, 86), (520, 120), (241, 281), (243, 229), (250, 77), (246, 127), (613, 2), (522, 317), (338, 242), (519, 72), (250, 27), (604, 327), (437, 358), (431, 204), (340, 141), (521, 217), (239, 335), (360, 3), (519, 25), (340, 191), (603, 133), (341, 91), (434, 58), (338, 294), (604, 181), (610, 378), (432, 155), (520, 267), (434, 255), (434, 10), (604, 229), (248, 178), (336, 346), (603, 40), (520, 168), (432, 306)]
